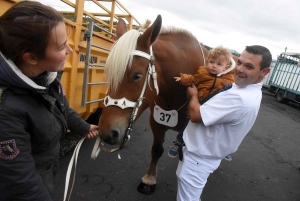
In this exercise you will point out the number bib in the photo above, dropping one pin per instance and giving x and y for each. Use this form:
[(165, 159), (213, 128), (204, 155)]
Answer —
[(167, 118)]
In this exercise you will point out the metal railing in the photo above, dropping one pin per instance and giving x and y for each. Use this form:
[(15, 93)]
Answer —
[(88, 35)]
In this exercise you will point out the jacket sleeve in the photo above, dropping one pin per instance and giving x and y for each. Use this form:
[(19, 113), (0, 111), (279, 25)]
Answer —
[(75, 123), (19, 179), (186, 79)]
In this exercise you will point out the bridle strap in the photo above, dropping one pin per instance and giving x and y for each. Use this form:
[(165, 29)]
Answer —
[(125, 103), (142, 54), (151, 67), (122, 103)]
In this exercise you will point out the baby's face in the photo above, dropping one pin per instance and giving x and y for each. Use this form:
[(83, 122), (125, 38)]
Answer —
[(217, 65)]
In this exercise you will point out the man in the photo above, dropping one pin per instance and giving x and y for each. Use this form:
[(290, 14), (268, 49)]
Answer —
[(218, 127)]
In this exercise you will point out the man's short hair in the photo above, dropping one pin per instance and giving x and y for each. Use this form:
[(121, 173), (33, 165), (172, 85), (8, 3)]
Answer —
[(264, 52)]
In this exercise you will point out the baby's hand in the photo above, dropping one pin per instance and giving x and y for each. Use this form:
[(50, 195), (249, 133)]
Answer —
[(177, 79)]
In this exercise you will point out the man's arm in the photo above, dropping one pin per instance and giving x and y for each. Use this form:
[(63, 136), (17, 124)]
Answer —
[(194, 105)]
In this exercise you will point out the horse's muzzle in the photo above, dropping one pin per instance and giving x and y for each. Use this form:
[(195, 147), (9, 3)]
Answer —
[(113, 137)]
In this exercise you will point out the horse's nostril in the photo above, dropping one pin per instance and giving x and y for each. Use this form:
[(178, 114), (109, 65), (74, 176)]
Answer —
[(115, 135)]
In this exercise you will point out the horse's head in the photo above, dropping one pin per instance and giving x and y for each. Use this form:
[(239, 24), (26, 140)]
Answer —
[(127, 69)]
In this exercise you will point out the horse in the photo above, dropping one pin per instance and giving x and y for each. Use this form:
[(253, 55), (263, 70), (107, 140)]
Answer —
[(140, 70)]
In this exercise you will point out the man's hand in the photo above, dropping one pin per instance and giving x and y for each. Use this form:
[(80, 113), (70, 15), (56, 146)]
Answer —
[(93, 132), (194, 105), (191, 92)]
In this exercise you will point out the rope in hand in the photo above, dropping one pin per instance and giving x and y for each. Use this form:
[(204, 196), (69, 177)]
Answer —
[(73, 161)]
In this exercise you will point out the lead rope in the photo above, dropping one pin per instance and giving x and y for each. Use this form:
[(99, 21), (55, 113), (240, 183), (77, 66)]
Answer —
[(96, 149), (202, 54), (73, 161)]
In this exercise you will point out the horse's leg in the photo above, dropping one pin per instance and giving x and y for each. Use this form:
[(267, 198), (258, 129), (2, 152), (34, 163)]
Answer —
[(147, 185)]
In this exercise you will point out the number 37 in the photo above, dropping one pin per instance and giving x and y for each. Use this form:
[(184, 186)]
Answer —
[(165, 117)]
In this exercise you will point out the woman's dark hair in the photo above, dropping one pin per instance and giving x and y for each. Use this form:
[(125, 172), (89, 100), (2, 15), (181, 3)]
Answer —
[(26, 27)]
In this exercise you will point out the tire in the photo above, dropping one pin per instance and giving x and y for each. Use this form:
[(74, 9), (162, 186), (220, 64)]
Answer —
[(280, 97)]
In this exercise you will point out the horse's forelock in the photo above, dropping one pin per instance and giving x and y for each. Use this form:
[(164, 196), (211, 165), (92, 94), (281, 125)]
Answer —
[(119, 58)]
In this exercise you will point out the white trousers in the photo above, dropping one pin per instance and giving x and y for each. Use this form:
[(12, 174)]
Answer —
[(192, 176)]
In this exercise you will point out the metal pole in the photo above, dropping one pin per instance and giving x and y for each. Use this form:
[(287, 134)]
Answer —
[(87, 62)]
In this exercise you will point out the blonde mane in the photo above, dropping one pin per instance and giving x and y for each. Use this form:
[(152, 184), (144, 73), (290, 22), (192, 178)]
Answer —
[(119, 58), (175, 30), (121, 54), (145, 26)]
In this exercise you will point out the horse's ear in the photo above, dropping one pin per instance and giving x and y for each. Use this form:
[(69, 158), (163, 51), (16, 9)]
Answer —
[(121, 28), (152, 32)]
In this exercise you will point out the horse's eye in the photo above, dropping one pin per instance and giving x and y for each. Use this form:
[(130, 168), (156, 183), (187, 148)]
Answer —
[(136, 76)]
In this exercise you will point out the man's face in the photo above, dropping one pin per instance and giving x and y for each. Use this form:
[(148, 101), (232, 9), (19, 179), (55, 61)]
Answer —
[(247, 70)]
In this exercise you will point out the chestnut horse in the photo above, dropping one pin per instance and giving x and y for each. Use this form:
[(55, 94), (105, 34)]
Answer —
[(140, 70)]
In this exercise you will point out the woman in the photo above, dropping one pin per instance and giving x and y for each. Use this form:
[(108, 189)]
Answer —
[(34, 112)]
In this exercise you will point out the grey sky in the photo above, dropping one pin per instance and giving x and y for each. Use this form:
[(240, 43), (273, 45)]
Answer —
[(231, 23)]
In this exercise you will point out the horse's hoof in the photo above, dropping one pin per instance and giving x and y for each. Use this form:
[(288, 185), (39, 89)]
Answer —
[(146, 189)]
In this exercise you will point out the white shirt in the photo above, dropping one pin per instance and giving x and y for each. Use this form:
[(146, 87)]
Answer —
[(227, 118)]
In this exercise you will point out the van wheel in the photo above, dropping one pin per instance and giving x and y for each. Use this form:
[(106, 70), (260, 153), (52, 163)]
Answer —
[(280, 97)]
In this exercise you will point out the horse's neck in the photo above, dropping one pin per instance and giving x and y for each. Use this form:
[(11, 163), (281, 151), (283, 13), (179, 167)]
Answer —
[(178, 56), (171, 59)]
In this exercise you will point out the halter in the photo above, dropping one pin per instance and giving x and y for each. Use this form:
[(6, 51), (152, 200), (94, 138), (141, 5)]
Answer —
[(125, 103)]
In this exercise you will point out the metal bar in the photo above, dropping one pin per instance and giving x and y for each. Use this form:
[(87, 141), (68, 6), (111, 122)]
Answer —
[(292, 76), (104, 30), (86, 65), (111, 20), (85, 12), (97, 83), (128, 11), (296, 75), (275, 73), (97, 65), (103, 48), (289, 73), (95, 101), (298, 78), (101, 6), (283, 73), (98, 14)]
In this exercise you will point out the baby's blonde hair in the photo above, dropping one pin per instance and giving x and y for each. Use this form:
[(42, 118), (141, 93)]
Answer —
[(220, 51)]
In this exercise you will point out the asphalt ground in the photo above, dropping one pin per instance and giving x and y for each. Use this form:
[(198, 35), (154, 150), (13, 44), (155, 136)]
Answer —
[(265, 168)]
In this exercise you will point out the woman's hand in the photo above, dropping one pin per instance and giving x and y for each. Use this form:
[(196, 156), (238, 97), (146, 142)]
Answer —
[(93, 132)]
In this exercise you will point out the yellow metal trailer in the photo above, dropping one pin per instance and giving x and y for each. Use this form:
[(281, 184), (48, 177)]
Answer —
[(90, 37)]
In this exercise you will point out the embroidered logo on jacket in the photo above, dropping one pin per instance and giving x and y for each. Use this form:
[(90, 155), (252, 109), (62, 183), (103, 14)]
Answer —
[(8, 150)]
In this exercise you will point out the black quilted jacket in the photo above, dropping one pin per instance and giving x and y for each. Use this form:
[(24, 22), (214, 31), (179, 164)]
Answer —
[(34, 116)]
